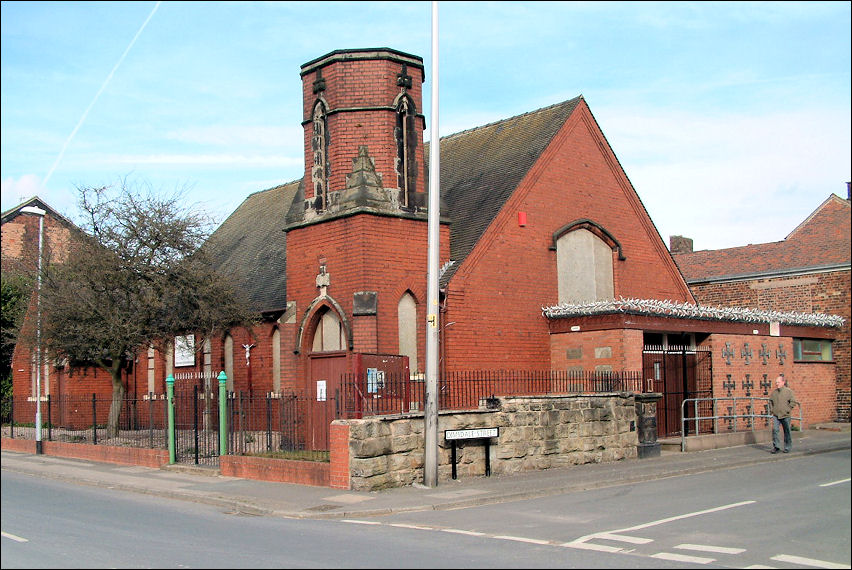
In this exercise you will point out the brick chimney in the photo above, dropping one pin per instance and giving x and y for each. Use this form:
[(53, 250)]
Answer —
[(680, 244)]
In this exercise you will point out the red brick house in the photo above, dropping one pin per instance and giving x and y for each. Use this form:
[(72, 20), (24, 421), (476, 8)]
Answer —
[(808, 272), (20, 236), (20, 255), (550, 260)]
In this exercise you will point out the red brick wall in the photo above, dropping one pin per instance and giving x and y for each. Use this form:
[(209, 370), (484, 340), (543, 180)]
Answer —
[(815, 293), (339, 447), (496, 296), (358, 84), (812, 382), (384, 254), (20, 242), (102, 453), (583, 350), (313, 473)]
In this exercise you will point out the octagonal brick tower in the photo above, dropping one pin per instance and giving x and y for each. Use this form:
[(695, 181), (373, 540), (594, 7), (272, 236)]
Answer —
[(357, 234), (363, 134)]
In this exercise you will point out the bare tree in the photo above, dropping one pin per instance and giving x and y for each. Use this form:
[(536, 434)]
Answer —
[(141, 275)]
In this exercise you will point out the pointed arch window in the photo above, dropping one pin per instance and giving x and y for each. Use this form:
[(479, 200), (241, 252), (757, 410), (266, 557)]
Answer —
[(276, 360), (407, 320), (152, 378), (329, 333), (319, 148), (228, 345), (406, 143), (584, 260)]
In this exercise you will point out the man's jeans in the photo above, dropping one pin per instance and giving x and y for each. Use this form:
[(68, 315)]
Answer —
[(776, 437)]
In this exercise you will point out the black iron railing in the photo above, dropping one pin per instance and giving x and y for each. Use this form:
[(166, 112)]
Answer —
[(287, 425), (371, 394)]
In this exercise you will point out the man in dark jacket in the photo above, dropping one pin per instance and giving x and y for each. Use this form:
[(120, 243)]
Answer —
[(781, 403)]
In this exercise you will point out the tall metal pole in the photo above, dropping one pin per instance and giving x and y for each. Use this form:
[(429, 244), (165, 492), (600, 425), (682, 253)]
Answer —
[(430, 446), (40, 213)]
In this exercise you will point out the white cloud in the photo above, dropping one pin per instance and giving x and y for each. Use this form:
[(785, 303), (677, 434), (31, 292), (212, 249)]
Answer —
[(17, 190), (730, 179), (14, 191)]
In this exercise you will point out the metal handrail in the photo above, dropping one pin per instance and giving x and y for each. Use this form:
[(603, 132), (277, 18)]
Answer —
[(716, 416)]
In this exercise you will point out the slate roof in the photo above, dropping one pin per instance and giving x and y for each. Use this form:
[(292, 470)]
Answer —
[(251, 245), (821, 242), (482, 167)]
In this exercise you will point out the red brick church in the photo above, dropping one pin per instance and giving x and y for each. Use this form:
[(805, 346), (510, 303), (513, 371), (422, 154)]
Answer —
[(549, 260)]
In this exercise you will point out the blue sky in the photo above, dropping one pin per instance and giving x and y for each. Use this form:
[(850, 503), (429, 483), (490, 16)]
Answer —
[(732, 120)]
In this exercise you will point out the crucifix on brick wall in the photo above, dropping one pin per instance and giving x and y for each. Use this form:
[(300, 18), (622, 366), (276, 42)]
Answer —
[(248, 348)]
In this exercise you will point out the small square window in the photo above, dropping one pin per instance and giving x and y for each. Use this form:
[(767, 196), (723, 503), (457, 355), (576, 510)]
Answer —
[(812, 350)]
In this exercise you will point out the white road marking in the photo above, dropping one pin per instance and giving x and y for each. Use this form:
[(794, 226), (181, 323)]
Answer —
[(708, 548), (459, 531), (616, 533), (836, 482), (808, 561), (522, 539), (14, 537), (758, 567), (355, 521), (683, 558), (624, 538), (592, 546), (685, 516), (414, 526)]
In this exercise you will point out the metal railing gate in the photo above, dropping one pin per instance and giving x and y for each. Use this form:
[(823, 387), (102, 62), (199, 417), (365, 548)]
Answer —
[(196, 424), (678, 373)]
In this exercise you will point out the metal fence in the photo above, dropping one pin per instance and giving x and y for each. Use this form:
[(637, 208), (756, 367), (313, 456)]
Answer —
[(281, 424), (727, 414), (83, 419), (257, 423), (377, 394)]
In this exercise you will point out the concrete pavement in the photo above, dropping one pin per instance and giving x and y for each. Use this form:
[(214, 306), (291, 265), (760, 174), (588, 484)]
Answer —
[(206, 486)]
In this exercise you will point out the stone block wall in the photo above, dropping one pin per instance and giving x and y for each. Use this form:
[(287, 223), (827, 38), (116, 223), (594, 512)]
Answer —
[(535, 433)]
